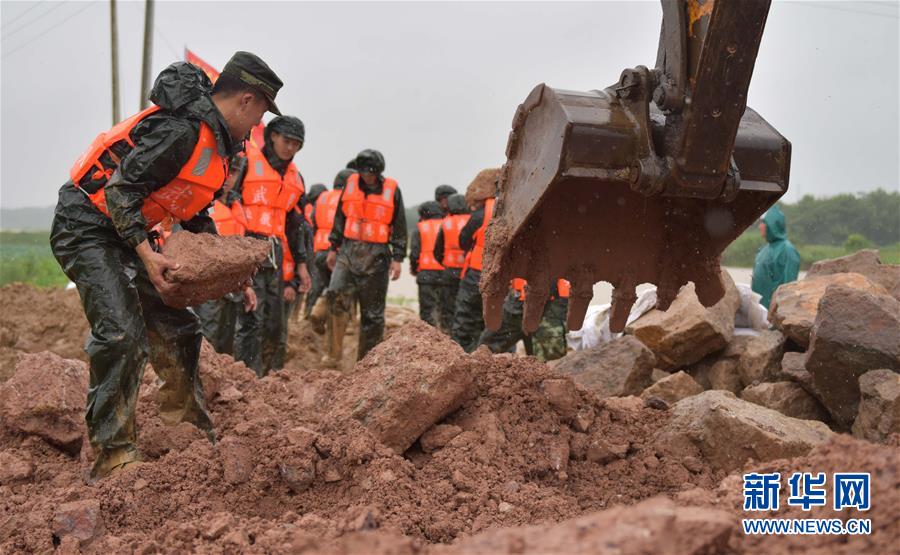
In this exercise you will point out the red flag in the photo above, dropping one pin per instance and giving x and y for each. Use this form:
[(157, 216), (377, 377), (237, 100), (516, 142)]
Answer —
[(192, 58), (256, 134)]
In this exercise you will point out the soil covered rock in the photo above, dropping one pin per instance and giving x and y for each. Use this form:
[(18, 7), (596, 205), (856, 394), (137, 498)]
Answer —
[(795, 305), (855, 331), (688, 331), (210, 265), (621, 367), (879, 406)]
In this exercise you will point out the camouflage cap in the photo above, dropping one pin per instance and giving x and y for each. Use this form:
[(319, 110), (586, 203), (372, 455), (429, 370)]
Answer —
[(250, 69)]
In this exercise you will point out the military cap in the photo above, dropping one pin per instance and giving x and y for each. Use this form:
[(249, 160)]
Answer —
[(289, 126), (250, 69)]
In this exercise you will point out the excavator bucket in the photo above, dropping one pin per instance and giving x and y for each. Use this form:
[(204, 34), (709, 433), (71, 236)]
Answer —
[(647, 181)]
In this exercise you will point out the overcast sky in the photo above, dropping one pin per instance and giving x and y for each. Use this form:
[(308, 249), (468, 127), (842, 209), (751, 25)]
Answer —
[(434, 85)]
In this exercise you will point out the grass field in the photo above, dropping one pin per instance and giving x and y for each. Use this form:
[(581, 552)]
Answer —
[(26, 257)]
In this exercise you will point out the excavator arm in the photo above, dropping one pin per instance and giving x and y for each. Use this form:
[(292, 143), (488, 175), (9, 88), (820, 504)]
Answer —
[(646, 181)]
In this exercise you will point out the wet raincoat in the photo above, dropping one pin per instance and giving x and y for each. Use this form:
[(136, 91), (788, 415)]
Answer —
[(777, 261), (129, 322)]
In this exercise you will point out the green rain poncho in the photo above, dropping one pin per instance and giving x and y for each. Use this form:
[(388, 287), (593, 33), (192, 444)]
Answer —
[(777, 261)]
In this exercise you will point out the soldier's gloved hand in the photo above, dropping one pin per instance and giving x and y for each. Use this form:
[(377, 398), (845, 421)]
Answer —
[(395, 270), (305, 280), (157, 264), (289, 294), (331, 260), (249, 299)]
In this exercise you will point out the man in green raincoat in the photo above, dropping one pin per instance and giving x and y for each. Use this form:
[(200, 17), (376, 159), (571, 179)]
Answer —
[(777, 261)]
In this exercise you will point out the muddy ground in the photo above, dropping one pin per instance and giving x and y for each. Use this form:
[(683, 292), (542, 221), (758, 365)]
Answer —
[(303, 465)]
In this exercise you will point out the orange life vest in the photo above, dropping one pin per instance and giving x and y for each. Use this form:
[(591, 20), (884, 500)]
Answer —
[(428, 230), (368, 216), (191, 191), (268, 196), (562, 287), (228, 220), (454, 256), (307, 212), (475, 257), (326, 210)]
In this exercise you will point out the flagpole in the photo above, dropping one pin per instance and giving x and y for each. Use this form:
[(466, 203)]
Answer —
[(148, 53), (114, 48)]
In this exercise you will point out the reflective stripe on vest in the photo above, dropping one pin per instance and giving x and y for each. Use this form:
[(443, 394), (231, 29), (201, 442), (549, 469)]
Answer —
[(226, 220), (369, 216), (454, 255), (191, 191), (267, 196), (475, 257), (562, 287), (428, 230), (326, 209)]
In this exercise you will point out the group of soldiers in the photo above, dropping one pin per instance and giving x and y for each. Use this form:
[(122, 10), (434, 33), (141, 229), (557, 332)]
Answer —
[(186, 163)]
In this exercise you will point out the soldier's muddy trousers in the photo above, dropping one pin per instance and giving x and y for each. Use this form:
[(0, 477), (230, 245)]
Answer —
[(468, 321), (129, 324), (548, 342), (361, 271), (218, 320), (257, 339), (321, 276)]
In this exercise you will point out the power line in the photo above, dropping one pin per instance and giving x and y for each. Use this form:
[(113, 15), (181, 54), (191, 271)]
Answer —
[(31, 21), (73, 14), (21, 14)]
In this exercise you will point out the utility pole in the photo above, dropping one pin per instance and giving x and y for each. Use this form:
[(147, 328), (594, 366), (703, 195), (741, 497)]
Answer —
[(114, 43), (148, 53)]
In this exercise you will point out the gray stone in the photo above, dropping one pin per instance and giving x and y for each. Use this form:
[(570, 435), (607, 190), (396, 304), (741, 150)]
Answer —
[(728, 432), (761, 359), (855, 331), (788, 398), (674, 388), (879, 406), (620, 367), (688, 331), (794, 305)]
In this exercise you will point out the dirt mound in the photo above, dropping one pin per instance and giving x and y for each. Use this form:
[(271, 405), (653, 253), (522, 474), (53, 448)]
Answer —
[(524, 454), (34, 320), (525, 460)]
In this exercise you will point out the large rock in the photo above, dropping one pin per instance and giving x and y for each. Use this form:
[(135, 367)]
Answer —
[(688, 331), (407, 384), (855, 331), (720, 370), (46, 398), (728, 431), (656, 525), (879, 405), (793, 369), (81, 520), (761, 359), (210, 266), (865, 262), (621, 367), (674, 388), (788, 398), (795, 305)]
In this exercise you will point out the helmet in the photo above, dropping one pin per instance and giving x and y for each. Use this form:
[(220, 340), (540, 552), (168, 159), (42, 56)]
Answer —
[(457, 204), (370, 161), (314, 192), (429, 210), (443, 191), (341, 178), (289, 126)]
